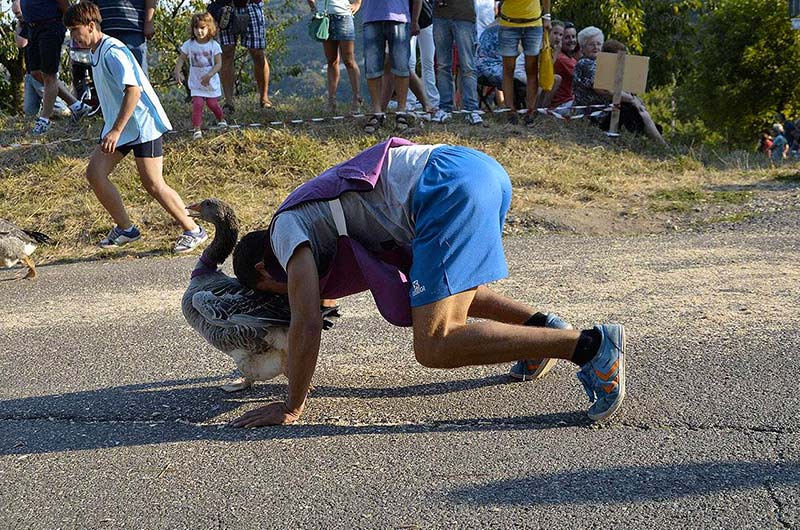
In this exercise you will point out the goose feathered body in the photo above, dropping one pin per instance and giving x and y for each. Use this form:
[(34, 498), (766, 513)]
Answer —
[(17, 245), (250, 326)]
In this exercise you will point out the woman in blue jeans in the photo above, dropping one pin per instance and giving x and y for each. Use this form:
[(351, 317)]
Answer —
[(341, 42)]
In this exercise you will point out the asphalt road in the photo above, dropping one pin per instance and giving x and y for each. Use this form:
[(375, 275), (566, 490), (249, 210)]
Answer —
[(111, 414)]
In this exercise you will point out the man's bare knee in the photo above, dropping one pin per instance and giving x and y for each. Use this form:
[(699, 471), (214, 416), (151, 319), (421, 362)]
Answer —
[(430, 352)]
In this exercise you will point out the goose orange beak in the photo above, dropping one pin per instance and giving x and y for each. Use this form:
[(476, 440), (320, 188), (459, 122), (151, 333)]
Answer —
[(193, 210)]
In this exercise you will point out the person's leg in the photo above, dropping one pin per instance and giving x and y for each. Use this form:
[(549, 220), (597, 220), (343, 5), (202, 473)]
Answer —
[(347, 53), (443, 339), (427, 50), (509, 63), (532, 84), (465, 43), (261, 69), (213, 104), (66, 94), (650, 128), (494, 306), (331, 49), (374, 45), (443, 36), (399, 36), (255, 40), (197, 112), (150, 173), (545, 97), (101, 164), (411, 98), (226, 73), (32, 101), (387, 84)]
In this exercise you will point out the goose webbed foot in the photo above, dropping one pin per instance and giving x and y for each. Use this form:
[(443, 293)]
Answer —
[(238, 384)]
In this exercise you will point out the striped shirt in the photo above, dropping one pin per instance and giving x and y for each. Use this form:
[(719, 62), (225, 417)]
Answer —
[(122, 16)]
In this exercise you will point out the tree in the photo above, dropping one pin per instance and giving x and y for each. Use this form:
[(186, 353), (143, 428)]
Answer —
[(13, 59), (746, 67)]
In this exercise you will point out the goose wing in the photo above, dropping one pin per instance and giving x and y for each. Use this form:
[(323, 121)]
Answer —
[(9, 229), (231, 309)]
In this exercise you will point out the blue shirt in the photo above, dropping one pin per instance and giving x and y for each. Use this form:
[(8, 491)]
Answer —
[(385, 10), (121, 16), (38, 10), (114, 68)]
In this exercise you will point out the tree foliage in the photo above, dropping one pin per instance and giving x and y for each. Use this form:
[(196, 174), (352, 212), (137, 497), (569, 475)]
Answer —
[(746, 67)]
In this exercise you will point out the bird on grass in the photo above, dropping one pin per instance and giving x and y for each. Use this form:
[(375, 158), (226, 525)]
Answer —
[(250, 326), (17, 244)]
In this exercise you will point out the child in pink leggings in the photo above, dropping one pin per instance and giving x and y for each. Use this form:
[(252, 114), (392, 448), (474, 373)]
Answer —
[(205, 60)]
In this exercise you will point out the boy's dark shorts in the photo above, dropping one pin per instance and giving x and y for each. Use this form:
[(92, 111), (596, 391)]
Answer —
[(151, 149), (44, 46)]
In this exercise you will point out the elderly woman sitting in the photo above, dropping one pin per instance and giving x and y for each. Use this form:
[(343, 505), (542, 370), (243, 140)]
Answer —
[(633, 114)]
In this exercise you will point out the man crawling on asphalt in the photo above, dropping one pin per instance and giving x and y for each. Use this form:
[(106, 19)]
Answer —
[(421, 227)]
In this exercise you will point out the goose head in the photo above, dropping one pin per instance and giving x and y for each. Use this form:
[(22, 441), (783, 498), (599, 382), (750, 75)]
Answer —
[(225, 222)]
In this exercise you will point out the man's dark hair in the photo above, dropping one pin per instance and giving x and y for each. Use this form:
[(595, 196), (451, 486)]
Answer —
[(248, 252), (81, 14)]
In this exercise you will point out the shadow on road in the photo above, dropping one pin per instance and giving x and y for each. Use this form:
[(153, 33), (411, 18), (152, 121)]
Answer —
[(188, 410), (631, 483)]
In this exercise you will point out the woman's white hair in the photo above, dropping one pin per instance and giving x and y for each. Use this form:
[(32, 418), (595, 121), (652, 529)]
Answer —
[(587, 33)]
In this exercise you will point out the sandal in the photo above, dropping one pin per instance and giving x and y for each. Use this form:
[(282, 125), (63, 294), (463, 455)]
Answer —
[(355, 106), (401, 122), (374, 123)]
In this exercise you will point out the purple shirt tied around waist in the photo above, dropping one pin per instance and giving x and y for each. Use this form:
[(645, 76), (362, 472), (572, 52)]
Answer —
[(354, 269), (381, 10)]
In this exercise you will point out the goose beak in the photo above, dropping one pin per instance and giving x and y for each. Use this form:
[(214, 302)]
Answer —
[(193, 210)]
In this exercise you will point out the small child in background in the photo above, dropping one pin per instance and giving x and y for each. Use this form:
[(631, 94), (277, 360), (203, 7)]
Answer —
[(205, 61)]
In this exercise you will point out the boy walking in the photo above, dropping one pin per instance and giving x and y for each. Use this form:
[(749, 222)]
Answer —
[(134, 121)]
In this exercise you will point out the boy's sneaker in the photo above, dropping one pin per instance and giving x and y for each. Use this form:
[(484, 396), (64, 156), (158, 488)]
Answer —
[(189, 240), (441, 116), (118, 237), (474, 118), (79, 110), (197, 135), (41, 126), (533, 369), (603, 377)]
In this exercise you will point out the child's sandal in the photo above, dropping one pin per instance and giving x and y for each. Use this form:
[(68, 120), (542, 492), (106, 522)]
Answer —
[(374, 123)]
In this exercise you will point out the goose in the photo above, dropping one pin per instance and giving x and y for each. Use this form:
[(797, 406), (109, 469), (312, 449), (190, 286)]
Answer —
[(250, 326), (17, 245)]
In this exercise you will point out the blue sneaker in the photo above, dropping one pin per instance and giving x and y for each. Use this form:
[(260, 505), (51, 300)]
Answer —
[(603, 377), (118, 237), (189, 240), (533, 369)]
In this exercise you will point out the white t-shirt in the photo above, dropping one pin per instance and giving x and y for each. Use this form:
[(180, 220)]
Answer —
[(201, 61), (335, 7), (374, 218)]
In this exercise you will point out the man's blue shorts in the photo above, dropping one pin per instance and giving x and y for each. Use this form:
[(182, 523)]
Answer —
[(460, 205)]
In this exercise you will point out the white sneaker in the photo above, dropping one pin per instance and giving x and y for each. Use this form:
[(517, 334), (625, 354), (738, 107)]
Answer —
[(441, 116), (79, 110), (197, 134), (188, 240), (222, 124), (474, 118)]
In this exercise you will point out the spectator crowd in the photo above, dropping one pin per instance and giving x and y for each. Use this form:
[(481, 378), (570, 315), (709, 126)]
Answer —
[(471, 53)]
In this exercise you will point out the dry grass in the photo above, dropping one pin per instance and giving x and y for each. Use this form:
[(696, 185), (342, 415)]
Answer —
[(555, 167)]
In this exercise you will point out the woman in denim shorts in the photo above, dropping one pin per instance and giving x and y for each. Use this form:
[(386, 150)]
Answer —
[(341, 42)]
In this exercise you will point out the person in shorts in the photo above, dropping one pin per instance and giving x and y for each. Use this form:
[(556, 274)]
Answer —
[(134, 121), (388, 26), (340, 43), (434, 215), (522, 23), (45, 37), (250, 29), (130, 21)]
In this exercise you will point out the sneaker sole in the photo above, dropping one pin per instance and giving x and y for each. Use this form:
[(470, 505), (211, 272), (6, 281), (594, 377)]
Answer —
[(544, 369), (615, 407)]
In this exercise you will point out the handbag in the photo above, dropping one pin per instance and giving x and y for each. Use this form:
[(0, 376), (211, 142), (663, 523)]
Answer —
[(546, 68), (319, 25)]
